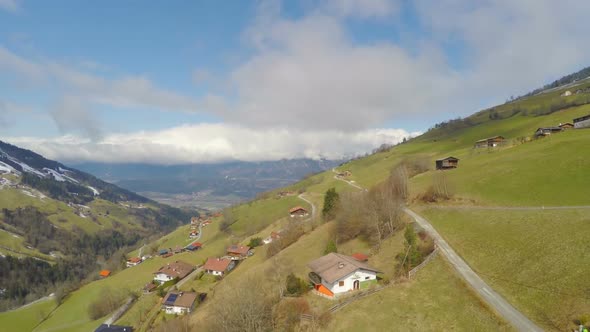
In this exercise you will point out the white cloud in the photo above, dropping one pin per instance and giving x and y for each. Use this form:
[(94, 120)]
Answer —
[(9, 5), (362, 8), (206, 143)]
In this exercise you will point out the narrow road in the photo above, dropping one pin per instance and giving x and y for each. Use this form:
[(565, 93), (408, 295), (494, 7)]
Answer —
[(493, 299), (349, 182), (120, 312), (313, 209)]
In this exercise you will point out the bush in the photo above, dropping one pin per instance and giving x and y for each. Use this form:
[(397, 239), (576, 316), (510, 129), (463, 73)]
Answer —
[(330, 247), (255, 242), (296, 286)]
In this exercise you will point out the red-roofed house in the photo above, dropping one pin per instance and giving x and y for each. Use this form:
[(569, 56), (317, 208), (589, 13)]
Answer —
[(133, 261), (237, 252), (298, 211), (218, 266)]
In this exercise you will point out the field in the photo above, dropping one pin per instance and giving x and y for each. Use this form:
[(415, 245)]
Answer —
[(536, 259), (25, 319)]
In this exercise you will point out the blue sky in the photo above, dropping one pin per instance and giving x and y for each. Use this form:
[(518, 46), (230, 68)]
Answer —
[(205, 81)]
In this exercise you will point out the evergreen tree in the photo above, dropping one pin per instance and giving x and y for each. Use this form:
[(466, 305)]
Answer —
[(331, 200)]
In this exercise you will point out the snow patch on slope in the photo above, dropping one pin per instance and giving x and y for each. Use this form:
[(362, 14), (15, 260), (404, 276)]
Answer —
[(56, 175), (96, 193)]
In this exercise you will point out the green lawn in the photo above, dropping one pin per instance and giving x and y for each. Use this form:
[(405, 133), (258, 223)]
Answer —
[(436, 300), (536, 259), (27, 318)]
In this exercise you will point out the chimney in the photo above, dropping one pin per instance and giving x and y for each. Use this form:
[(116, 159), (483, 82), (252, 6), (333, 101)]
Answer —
[(340, 265)]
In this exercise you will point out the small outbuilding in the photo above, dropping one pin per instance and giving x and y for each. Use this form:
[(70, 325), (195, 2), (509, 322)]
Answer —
[(447, 163), (490, 142), (566, 125), (545, 131), (582, 122), (104, 273)]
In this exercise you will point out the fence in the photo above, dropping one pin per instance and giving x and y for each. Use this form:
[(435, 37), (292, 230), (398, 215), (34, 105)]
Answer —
[(415, 270)]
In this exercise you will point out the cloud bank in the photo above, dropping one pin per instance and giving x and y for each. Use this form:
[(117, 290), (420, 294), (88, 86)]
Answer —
[(209, 143)]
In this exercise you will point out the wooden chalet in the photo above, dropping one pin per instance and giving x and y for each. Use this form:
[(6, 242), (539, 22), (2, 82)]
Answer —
[(298, 211), (545, 131), (237, 252), (566, 125), (490, 142), (447, 163)]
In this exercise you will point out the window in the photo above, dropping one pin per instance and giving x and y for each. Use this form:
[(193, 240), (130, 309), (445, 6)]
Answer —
[(341, 283)]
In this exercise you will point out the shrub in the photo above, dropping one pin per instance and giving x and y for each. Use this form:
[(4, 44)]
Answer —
[(295, 286), (255, 242), (330, 247)]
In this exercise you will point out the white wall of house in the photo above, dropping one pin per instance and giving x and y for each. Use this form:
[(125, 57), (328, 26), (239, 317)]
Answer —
[(582, 124), (348, 281), (176, 310), (215, 273), (161, 277)]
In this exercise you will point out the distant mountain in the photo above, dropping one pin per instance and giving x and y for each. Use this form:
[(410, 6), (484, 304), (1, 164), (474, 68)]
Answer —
[(240, 180), (566, 80), (59, 224)]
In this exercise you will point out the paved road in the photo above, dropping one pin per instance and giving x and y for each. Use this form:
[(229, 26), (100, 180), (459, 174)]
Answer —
[(511, 208), (313, 209), (493, 299), (349, 182)]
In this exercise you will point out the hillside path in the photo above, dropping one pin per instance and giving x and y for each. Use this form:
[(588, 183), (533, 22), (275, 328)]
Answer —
[(349, 182), (493, 299), (313, 209)]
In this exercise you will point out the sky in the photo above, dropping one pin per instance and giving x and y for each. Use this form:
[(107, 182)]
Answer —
[(176, 82)]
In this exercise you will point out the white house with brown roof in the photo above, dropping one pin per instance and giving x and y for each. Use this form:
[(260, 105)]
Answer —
[(178, 269), (335, 274), (298, 211), (179, 303), (218, 266)]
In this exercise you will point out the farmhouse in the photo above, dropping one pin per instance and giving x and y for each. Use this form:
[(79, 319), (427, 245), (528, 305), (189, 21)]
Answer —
[(582, 122), (178, 269), (179, 303), (237, 252), (567, 93), (133, 261), (335, 274), (542, 132), (298, 211), (566, 125), (447, 163), (218, 266), (490, 142)]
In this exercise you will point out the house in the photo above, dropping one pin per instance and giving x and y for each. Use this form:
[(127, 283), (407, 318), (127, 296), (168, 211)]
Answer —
[(218, 266), (582, 122), (194, 246), (104, 273), (237, 252), (133, 261), (177, 269), (273, 236), (344, 174), (541, 132), (113, 328), (163, 252), (447, 163), (179, 303), (335, 274), (360, 257), (149, 287), (195, 222), (567, 93), (193, 234), (298, 211), (490, 142), (566, 125)]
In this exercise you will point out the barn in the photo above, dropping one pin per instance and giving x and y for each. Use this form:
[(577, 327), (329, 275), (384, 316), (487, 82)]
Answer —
[(490, 142), (447, 163), (582, 122)]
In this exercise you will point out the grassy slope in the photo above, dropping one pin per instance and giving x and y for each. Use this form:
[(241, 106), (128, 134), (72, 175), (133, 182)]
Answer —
[(537, 259), (27, 318)]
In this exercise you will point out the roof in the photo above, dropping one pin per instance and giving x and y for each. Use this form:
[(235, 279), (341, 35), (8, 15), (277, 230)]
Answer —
[(180, 299), (105, 273), (113, 328), (549, 128), (134, 260), (448, 158), (176, 269), (360, 257), (333, 267), (582, 118), (197, 244), (217, 264), (238, 249), (489, 138), (566, 124), (297, 208)]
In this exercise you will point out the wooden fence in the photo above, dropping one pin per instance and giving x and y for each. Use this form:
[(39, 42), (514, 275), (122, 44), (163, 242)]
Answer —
[(415, 270)]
